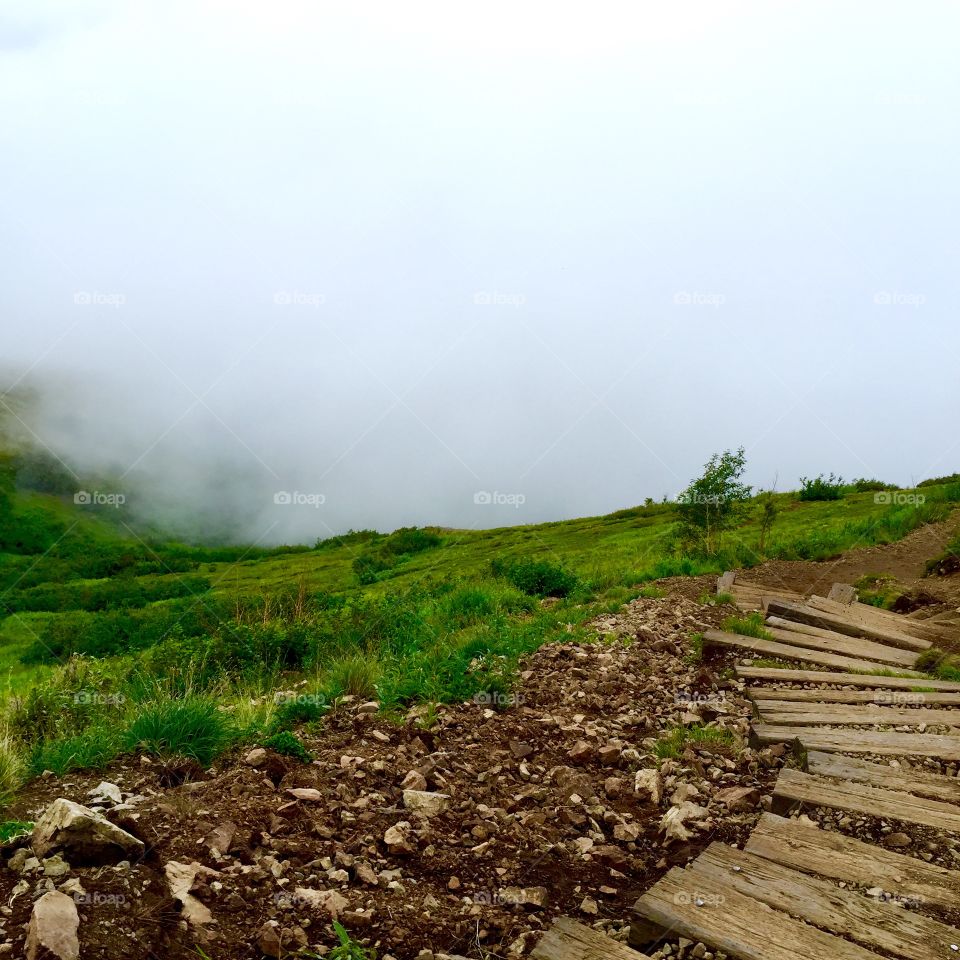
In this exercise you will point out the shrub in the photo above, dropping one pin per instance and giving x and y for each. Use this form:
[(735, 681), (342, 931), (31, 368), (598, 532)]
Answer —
[(868, 486), (193, 727), (289, 745), (714, 502), (821, 488), (306, 708), (538, 578), (937, 481), (355, 675)]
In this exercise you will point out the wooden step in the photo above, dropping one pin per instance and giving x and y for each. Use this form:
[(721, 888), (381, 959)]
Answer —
[(800, 791), (773, 648), (701, 908), (786, 632), (568, 940), (870, 614), (871, 680), (894, 698), (881, 743), (833, 855), (916, 781), (877, 924), (790, 713), (802, 613)]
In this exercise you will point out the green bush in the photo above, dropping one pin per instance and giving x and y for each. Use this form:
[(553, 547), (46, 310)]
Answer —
[(194, 727), (289, 745), (821, 488), (538, 578), (869, 486)]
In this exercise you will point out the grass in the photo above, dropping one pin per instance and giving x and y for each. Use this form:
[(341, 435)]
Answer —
[(749, 626), (195, 728), (289, 745), (672, 745)]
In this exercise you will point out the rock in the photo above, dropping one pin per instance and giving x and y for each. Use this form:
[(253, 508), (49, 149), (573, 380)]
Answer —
[(371, 706), (52, 934), (520, 749), (181, 878), (424, 803), (105, 792), (580, 752), (897, 841), (739, 798), (220, 838), (649, 785), (306, 793), (414, 780), (673, 822), (73, 887), (626, 832), (268, 939), (55, 866), (397, 838), (366, 874), (84, 833), (524, 896), (589, 906), (255, 757), (328, 902)]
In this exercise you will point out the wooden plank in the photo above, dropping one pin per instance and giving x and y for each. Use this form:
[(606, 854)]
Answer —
[(798, 791), (802, 613), (842, 714), (925, 629), (909, 780), (786, 651), (816, 639), (568, 940), (877, 924), (874, 679), (879, 697), (702, 909), (859, 741), (833, 855)]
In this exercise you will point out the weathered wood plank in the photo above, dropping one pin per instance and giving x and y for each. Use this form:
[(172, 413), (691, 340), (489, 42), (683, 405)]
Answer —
[(798, 791), (701, 908), (915, 781), (876, 924), (842, 714), (859, 741), (870, 680), (839, 857), (815, 638), (568, 940), (925, 629), (878, 697), (802, 613), (786, 651)]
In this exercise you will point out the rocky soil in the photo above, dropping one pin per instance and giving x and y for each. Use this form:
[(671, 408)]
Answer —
[(464, 832)]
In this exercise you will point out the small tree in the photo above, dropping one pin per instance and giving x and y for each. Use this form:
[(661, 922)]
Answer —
[(714, 502), (768, 515)]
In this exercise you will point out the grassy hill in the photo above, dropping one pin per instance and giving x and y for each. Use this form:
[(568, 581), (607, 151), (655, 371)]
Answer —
[(146, 644)]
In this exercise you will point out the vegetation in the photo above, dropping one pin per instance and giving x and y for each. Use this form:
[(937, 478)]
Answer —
[(714, 502), (289, 745), (672, 745), (749, 626), (821, 488)]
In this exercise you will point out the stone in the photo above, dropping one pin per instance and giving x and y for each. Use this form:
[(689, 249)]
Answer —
[(649, 784), (371, 706), (673, 823), (424, 803), (105, 792), (255, 757), (897, 841), (739, 798), (268, 939), (181, 878), (397, 838), (83, 833), (328, 902), (306, 793), (221, 837), (52, 934), (414, 780)]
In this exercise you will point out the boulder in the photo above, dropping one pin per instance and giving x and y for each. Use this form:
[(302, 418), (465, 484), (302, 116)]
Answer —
[(83, 833), (52, 934), (424, 803)]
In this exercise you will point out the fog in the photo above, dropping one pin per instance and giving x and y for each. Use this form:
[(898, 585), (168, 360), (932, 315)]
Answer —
[(432, 263)]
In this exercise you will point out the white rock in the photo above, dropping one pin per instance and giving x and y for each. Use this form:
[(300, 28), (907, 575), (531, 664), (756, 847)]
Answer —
[(54, 923)]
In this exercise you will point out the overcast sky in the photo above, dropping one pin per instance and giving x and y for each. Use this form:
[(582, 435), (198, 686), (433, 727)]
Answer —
[(401, 257)]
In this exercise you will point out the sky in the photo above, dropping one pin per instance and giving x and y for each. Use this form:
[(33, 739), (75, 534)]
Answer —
[(294, 268)]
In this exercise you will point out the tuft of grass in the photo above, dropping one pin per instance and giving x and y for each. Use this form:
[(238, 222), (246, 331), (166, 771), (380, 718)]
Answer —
[(91, 749), (672, 745), (695, 654), (12, 768), (716, 599), (348, 948), (749, 626), (652, 593), (289, 745), (194, 727), (354, 676), (11, 830)]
